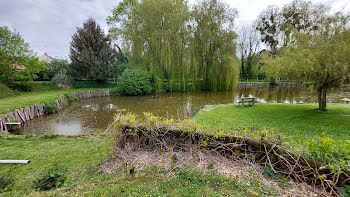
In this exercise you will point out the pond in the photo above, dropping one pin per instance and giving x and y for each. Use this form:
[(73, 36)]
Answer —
[(94, 115)]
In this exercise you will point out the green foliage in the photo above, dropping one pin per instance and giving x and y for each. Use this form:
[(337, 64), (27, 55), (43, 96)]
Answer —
[(94, 84), (268, 171), (63, 80), (53, 178), (318, 57), (189, 49), (135, 82), (13, 44), (7, 92), (327, 149), (53, 68), (91, 53), (17, 61), (23, 86), (344, 191), (50, 107), (71, 98)]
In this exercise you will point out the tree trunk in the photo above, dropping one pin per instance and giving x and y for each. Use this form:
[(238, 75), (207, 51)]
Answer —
[(322, 98)]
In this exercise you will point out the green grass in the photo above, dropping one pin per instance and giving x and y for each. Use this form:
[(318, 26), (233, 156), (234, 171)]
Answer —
[(296, 121), (7, 92), (82, 155), (79, 154), (29, 98), (45, 91)]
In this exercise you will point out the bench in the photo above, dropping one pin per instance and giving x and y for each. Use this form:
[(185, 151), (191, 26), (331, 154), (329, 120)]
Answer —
[(249, 100)]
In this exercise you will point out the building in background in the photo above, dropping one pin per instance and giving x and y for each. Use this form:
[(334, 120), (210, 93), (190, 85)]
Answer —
[(46, 58)]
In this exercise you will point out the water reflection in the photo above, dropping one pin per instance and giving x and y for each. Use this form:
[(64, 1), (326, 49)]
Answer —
[(94, 115)]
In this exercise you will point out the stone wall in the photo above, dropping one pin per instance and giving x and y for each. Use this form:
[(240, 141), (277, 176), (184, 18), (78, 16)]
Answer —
[(28, 113)]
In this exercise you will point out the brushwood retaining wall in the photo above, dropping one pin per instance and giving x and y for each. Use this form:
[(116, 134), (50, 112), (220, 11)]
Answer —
[(28, 113)]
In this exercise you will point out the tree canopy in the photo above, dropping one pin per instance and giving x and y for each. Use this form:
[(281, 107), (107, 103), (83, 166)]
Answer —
[(18, 61), (182, 48), (320, 59), (91, 53)]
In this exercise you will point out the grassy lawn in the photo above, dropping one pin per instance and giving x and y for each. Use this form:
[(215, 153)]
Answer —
[(297, 121), (29, 98), (44, 92), (82, 155)]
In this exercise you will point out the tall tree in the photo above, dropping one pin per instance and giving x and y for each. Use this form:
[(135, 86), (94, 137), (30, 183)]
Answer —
[(248, 45), (91, 53), (15, 53), (178, 45), (320, 60), (214, 44), (268, 24), (301, 16)]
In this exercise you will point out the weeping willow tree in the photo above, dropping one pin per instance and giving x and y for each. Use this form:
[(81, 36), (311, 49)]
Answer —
[(183, 49)]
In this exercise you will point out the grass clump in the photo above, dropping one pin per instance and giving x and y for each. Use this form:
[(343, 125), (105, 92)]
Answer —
[(71, 98), (53, 178), (5, 182), (50, 108)]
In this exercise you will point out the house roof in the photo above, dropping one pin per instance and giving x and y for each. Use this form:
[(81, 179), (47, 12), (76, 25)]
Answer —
[(18, 66), (46, 58)]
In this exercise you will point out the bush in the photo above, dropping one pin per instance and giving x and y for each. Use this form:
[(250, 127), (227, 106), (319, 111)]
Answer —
[(7, 92), (94, 84), (23, 86), (134, 82), (56, 66), (70, 98), (54, 177), (50, 108), (63, 80)]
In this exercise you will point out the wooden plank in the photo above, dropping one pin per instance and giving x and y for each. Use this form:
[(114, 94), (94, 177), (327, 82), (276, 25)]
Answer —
[(31, 112), (35, 110), (41, 109), (26, 113), (17, 118), (21, 115), (5, 127), (1, 127)]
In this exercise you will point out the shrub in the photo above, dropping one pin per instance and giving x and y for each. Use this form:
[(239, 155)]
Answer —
[(23, 86), (94, 84), (63, 80), (54, 177), (134, 82), (56, 66), (50, 108), (6, 91), (70, 98)]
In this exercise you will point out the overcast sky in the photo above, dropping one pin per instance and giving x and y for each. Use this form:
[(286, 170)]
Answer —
[(49, 24)]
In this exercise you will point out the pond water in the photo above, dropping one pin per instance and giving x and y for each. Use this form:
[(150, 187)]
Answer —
[(94, 115)]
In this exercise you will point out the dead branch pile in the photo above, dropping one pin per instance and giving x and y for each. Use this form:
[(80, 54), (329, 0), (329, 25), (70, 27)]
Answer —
[(151, 133)]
